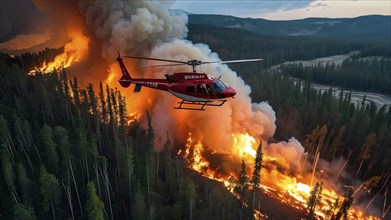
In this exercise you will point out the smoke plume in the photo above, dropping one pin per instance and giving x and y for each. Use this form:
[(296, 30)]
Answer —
[(148, 28), (135, 27)]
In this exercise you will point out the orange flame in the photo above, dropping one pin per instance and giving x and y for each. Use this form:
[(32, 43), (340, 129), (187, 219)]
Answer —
[(293, 191), (243, 145), (74, 51), (132, 117)]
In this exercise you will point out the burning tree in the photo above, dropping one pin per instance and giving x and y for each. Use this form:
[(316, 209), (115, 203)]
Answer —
[(314, 200), (241, 187), (333, 208), (347, 202), (256, 179)]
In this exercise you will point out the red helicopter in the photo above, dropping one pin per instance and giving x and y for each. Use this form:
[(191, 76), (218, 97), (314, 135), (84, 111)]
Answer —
[(196, 90)]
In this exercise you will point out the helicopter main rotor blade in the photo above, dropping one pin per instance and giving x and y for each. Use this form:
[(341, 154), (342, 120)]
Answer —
[(157, 59), (233, 61), (182, 64)]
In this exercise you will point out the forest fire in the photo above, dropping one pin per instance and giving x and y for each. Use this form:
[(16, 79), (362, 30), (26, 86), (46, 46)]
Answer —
[(74, 51), (291, 190), (232, 130)]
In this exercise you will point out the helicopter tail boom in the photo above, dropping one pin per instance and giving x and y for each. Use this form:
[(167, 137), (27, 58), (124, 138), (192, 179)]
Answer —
[(126, 79)]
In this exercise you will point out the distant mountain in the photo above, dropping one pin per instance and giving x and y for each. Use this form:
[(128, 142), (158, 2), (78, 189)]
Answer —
[(371, 28)]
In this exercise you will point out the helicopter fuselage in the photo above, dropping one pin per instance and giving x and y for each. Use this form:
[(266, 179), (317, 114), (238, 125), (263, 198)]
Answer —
[(188, 86), (195, 89)]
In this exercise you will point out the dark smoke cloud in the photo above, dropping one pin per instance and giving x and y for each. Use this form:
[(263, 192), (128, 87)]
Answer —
[(19, 17)]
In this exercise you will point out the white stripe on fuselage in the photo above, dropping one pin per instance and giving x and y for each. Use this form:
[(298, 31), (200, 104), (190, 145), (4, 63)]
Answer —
[(189, 97)]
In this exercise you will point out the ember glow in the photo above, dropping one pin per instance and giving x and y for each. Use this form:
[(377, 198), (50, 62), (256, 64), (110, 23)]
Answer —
[(292, 190), (132, 117)]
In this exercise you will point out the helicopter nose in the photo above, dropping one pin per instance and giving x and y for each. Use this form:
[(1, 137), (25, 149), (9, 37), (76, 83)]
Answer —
[(231, 92)]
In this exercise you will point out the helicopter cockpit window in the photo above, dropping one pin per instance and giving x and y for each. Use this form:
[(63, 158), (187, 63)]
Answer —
[(190, 89), (201, 88), (218, 86)]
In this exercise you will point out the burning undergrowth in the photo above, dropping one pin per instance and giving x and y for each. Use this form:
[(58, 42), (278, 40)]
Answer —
[(288, 173), (218, 139)]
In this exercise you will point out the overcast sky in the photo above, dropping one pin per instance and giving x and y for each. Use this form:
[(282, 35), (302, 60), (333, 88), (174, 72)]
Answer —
[(286, 10)]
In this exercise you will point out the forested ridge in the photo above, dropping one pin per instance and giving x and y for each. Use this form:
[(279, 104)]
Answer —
[(360, 133), (68, 152), (234, 43), (373, 29), (362, 74)]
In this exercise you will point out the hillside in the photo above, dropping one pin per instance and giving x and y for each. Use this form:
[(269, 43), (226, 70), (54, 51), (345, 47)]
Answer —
[(372, 28)]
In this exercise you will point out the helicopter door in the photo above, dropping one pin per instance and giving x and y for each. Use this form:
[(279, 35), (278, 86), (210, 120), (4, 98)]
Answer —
[(201, 89), (209, 89)]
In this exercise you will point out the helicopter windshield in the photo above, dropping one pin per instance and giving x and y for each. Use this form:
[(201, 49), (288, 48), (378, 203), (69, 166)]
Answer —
[(219, 86)]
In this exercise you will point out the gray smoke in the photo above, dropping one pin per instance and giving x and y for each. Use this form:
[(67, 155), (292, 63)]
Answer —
[(135, 27), (13, 19)]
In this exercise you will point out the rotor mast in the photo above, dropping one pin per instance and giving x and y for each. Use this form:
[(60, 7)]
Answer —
[(194, 63)]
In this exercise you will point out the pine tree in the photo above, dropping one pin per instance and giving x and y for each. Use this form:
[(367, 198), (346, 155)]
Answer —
[(139, 208), (241, 187), (168, 165), (61, 138), (50, 190), (24, 183), (322, 136), (109, 104), (5, 137), (190, 195), (151, 132), (311, 139), (24, 212), (49, 148), (75, 91), (366, 149), (102, 102), (150, 162), (314, 200), (8, 175), (337, 143), (122, 113), (347, 202), (331, 212), (256, 178), (94, 206), (92, 100)]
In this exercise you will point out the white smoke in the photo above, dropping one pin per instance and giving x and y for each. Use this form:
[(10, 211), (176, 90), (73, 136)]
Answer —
[(215, 126), (290, 154)]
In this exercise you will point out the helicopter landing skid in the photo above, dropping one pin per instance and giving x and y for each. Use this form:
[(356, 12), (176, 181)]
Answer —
[(201, 104)]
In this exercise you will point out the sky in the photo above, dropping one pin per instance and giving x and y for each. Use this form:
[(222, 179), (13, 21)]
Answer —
[(32, 20), (286, 10)]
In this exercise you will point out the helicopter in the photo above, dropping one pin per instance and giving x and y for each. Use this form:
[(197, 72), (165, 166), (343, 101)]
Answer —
[(196, 90)]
